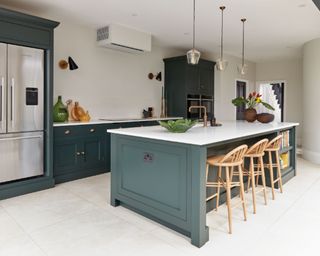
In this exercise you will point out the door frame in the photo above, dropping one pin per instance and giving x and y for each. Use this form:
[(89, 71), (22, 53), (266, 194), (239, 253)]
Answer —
[(235, 91), (284, 93)]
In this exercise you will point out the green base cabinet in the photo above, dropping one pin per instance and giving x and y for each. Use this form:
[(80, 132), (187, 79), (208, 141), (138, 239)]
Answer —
[(79, 151), (84, 150)]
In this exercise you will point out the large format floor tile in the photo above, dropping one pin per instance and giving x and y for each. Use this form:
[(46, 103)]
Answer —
[(75, 218)]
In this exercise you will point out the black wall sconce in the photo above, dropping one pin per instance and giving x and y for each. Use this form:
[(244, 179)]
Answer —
[(157, 76), (63, 64)]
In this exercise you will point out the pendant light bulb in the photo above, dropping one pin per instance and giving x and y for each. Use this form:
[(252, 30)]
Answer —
[(221, 64), (243, 68), (193, 55)]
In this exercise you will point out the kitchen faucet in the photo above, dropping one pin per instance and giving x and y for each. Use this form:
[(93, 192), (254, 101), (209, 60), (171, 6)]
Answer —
[(205, 117)]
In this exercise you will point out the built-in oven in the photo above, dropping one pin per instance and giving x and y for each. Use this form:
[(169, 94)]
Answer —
[(200, 100)]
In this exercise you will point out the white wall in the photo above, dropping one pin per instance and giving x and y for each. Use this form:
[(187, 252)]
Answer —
[(225, 85), (311, 82), (108, 83), (289, 71)]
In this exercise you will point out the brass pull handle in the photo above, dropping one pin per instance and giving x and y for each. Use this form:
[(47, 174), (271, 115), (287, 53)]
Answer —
[(78, 153), (82, 153), (67, 132), (92, 130)]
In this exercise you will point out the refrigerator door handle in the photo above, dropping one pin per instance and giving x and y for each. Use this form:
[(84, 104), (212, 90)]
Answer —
[(12, 102), (21, 138)]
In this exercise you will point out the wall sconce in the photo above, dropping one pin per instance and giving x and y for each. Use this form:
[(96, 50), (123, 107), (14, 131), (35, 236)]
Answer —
[(63, 64), (158, 76)]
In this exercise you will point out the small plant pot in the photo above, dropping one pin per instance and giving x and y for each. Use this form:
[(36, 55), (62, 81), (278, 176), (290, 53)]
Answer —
[(250, 115), (265, 118)]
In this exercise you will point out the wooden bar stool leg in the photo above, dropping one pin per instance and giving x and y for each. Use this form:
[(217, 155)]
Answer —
[(228, 191), (218, 188), (263, 180), (258, 173), (271, 174), (279, 171), (253, 186), (242, 193)]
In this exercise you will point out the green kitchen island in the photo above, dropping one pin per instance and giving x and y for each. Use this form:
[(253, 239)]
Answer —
[(161, 175)]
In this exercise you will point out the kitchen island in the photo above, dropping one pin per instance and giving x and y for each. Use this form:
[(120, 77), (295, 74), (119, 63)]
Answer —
[(161, 175)]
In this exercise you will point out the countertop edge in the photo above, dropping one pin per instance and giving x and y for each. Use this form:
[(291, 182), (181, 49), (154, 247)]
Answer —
[(114, 122)]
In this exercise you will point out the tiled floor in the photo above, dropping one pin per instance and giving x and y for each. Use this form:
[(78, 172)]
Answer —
[(75, 219)]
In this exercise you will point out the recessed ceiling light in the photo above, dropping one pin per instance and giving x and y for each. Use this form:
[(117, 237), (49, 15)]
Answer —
[(302, 5)]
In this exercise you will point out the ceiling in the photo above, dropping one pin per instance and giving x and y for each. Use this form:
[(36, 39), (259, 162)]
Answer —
[(275, 29)]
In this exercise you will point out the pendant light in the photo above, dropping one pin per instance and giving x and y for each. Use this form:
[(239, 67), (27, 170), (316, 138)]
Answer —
[(221, 64), (243, 69), (193, 55)]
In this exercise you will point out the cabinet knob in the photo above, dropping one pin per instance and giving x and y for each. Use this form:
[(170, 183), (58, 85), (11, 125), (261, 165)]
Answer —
[(92, 130), (66, 132), (78, 153), (82, 153)]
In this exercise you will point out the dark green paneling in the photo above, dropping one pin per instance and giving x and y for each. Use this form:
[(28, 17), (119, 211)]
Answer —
[(65, 155), (26, 30)]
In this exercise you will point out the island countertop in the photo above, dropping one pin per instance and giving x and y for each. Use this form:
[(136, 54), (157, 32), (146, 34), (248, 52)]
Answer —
[(202, 136)]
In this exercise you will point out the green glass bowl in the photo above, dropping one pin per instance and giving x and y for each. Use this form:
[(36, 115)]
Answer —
[(178, 126)]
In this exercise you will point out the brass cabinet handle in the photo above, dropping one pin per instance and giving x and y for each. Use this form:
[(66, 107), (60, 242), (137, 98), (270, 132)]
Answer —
[(66, 132), (92, 130)]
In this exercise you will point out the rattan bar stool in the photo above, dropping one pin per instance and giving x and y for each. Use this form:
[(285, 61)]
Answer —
[(273, 147), (256, 153), (228, 163)]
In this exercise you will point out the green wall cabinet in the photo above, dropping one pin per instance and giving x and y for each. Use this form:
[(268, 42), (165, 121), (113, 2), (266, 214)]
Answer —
[(183, 80)]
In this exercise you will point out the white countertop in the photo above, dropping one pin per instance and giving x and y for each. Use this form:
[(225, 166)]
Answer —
[(113, 121), (201, 136)]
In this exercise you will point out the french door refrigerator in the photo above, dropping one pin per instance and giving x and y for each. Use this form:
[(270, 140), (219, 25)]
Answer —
[(21, 112)]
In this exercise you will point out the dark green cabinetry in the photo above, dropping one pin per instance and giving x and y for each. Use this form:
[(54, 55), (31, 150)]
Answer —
[(79, 151), (84, 150), (26, 30), (183, 81)]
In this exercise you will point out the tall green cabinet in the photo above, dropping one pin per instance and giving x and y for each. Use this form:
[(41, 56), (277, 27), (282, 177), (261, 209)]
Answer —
[(186, 84), (27, 30)]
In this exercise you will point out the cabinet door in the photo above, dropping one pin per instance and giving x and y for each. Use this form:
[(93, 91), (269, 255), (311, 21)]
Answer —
[(192, 79), (66, 156), (93, 152), (206, 80)]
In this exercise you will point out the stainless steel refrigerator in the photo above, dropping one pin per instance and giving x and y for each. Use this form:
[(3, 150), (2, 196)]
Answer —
[(21, 112)]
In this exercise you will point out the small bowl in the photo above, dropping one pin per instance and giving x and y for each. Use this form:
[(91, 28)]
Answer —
[(178, 126), (265, 118)]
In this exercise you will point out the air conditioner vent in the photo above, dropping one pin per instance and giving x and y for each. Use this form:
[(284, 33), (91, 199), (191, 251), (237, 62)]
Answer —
[(103, 33)]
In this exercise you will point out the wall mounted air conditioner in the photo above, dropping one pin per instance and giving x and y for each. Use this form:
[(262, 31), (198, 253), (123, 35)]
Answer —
[(122, 38)]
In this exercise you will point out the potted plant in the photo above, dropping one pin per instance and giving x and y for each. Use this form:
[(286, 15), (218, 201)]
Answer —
[(253, 100)]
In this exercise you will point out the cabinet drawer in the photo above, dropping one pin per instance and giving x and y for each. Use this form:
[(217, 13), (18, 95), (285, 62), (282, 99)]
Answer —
[(66, 131), (79, 130)]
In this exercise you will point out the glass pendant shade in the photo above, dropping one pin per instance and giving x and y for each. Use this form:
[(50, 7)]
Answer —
[(193, 56), (243, 69), (221, 64)]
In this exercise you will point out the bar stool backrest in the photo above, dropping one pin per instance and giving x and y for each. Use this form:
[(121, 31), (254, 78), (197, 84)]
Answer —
[(234, 157), (258, 148), (274, 144)]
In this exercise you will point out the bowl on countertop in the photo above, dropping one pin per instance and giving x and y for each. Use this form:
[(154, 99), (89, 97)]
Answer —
[(178, 126), (265, 118)]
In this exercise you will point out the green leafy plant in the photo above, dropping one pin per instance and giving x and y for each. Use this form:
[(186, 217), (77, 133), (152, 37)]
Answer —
[(253, 100), (178, 126)]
